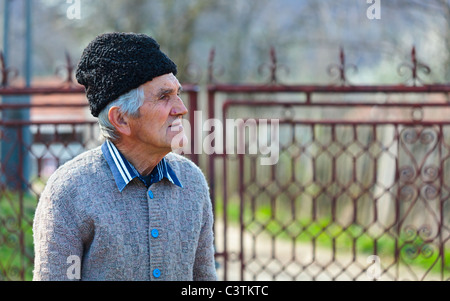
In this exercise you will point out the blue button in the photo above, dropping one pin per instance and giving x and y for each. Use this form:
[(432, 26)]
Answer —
[(150, 194), (156, 273), (155, 233)]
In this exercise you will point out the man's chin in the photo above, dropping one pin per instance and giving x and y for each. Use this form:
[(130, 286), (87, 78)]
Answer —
[(179, 142)]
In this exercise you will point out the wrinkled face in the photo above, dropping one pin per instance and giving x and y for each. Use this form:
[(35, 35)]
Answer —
[(160, 116)]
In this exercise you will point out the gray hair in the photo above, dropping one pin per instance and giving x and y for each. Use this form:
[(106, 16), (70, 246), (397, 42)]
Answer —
[(128, 103)]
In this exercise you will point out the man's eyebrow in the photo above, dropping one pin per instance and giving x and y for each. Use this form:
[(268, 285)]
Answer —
[(169, 90)]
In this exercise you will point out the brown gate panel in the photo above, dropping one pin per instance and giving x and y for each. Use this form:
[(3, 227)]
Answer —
[(359, 192)]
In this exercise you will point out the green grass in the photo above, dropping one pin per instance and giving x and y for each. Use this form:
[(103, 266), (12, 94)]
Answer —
[(16, 236), (412, 251)]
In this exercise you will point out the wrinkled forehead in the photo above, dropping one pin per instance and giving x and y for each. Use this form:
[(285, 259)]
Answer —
[(164, 83)]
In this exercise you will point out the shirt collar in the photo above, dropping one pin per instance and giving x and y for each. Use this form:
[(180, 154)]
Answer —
[(123, 171)]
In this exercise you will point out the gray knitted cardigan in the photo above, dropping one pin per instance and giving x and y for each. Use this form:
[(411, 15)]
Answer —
[(81, 212)]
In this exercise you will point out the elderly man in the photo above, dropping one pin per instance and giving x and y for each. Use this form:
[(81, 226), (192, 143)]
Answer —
[(130, 209)]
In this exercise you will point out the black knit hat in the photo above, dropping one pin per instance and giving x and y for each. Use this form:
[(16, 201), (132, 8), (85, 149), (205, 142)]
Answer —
[(115, 63)]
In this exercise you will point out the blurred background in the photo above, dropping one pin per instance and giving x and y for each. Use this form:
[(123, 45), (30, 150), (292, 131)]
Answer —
[(360, 88), (306, 33)]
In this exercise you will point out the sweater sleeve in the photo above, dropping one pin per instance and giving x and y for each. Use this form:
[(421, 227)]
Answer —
[(58, 244), (204, 265)]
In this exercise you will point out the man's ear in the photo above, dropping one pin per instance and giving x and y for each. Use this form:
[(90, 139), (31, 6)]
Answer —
[(119, 120)]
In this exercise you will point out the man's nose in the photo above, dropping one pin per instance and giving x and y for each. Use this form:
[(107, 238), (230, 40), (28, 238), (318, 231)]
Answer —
[(179, 108)]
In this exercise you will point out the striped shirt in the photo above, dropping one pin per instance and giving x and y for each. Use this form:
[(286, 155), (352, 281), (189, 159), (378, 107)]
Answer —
[(124, 172)]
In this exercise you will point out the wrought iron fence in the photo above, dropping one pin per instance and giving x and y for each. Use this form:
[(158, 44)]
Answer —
[(23, 179), (359, 191), (341, 192), (360, 188)]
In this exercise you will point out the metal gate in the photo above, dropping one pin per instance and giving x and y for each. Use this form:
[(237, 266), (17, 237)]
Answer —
[(360, 190)]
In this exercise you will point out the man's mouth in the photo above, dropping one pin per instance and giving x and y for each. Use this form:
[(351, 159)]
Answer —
[(176, 125)]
